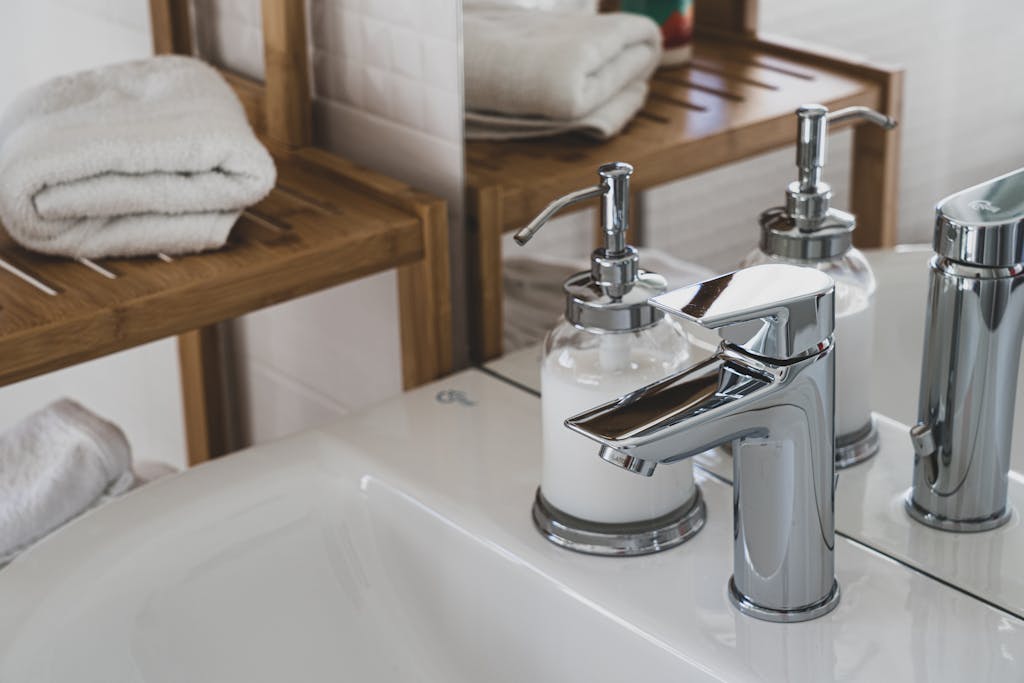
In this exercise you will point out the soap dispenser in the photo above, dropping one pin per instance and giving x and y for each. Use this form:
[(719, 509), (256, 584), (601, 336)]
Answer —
[(808, 231), (609, 342)]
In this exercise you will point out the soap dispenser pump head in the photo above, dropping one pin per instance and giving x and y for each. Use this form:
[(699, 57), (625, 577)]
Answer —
[(808, 228), (612, 296)]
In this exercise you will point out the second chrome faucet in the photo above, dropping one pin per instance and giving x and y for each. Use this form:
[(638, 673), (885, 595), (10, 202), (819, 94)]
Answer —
[(770, 390)]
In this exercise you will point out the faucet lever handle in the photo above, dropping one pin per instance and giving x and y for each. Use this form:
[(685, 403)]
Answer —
[(790, 308)]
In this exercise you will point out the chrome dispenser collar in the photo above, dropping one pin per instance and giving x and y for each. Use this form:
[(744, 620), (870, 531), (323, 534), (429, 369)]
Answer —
[(808, 228), (612, 296)]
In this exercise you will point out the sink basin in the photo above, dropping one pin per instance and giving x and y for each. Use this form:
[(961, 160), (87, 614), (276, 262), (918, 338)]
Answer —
[(397, 545)]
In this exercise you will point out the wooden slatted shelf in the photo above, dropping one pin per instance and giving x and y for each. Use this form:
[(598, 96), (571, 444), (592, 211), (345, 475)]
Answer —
[(736, 99), (325, 223), (303, 237)]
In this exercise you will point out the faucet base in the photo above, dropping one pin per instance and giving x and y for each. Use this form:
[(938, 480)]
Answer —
[(919, 514), (853, 449), (806, 613), (619, 540)]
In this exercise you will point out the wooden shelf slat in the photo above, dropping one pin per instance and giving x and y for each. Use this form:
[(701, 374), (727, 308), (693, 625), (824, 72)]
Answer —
[(736, 99), (292, 243)]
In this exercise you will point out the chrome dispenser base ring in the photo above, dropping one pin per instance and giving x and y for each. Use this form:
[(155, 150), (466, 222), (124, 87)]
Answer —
[(620, 540), (919, 514), (818, 609), (855, 448)]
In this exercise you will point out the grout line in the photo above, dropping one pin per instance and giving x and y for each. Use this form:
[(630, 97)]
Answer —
[(18, 272)]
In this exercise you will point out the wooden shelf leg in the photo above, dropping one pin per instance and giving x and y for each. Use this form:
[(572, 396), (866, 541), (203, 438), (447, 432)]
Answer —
[(208, 427), (171, 26), (875, 174), (486, 288), (425, 304)]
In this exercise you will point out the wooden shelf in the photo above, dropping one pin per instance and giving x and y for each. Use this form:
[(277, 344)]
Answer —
[(320, 227), (736, 99), (326, 222)]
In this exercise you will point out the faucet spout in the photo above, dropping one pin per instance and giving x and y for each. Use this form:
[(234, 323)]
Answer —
[(770, 390), (682, 415)]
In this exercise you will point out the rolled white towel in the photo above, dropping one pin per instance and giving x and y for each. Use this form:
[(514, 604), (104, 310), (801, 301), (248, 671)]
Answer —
[(131, 159), (55, 464), (554, 66)]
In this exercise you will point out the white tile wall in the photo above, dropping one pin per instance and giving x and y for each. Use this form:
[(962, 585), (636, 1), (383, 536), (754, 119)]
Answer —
[(137, 389), (387, 80)]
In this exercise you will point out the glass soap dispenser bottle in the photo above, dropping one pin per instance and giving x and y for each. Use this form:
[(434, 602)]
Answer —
[(609, 342), (808, 231)]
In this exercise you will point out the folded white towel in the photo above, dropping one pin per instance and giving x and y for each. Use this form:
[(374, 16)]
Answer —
[(549, 65), (128, 160), (55, 464), (604, 122)]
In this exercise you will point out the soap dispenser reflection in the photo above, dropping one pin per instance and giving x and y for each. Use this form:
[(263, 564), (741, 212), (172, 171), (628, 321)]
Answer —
[(609, 342), (808, 231)]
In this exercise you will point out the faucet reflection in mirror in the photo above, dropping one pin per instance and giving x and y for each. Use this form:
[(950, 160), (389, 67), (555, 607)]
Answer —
[(975, 322), (770, 390)]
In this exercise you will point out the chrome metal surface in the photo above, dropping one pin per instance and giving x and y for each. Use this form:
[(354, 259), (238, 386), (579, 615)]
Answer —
[(919, 514), (612, 296), (781, 236), (619, 540), (526, 233), (807, 227), (778, 411), (857, 447), (820, 609), (588, 305), (773, 310), (983, 225), (973, 332)]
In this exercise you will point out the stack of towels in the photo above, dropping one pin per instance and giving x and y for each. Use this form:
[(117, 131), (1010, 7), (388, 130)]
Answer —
[(55, 464), (146, 157), (532, 74)]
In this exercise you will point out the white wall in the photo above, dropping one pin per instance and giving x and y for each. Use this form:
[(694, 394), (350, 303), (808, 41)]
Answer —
[(137, 389)]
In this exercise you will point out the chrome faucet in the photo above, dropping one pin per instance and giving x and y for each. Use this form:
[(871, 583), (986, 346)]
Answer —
[(972, 344), (769, 389)]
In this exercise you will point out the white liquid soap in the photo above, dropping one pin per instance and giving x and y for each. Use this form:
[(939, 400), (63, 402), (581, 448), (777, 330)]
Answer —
[(610, 342), (854, 337), (574, 479)]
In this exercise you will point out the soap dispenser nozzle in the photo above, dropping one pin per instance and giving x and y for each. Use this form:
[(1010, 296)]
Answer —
[(807, 199), (807, 228), (612, 297), (614, 193)]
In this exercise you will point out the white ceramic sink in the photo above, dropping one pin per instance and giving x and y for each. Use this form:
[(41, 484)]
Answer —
[(397, 546)]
